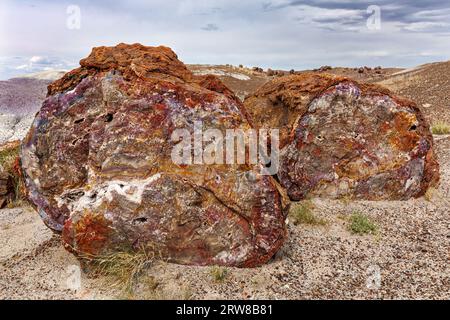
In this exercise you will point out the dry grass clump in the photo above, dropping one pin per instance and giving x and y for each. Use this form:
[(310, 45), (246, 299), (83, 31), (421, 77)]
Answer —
[(127, 272), (433, 194), (121, 269), (9, 155), (440, 127), (429, 194), (10, 163), (303, 213)]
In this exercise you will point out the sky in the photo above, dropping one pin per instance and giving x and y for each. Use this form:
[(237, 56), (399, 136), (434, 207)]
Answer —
[(279, 34)]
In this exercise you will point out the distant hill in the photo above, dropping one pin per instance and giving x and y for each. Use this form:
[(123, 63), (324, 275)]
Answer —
[(24, 95), (51, 75), (244, 81), (241, 80), (428, 85), (20, 99)]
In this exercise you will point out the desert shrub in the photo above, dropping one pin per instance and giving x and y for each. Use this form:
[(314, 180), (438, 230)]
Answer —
[(218, 273), (440, 127), (258, 69), (361, 224), (303, 213)]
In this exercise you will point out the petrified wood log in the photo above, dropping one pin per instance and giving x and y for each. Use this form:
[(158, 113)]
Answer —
[(98, 165), (340, 138)]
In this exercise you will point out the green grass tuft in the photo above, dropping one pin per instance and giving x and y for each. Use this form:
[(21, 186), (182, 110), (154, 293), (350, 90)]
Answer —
[(361, 224), (303, 213), (218, 273)]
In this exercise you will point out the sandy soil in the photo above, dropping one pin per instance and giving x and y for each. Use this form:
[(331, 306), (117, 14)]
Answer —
[(407, 259)]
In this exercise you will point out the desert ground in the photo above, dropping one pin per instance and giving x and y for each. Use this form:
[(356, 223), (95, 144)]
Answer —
[(407, 257)]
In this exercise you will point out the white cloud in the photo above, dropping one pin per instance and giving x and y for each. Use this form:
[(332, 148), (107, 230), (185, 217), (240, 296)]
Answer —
[(36, 59), (38, 63), (442, 14), (330, 19), (23, 67), (373, 53), (427, 26), (16, 66)]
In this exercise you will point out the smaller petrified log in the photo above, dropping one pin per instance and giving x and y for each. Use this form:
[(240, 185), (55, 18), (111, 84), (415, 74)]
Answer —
[(341, 138)]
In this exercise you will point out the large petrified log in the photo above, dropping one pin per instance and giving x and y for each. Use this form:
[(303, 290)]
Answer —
[(340, 138), (98, 165)]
